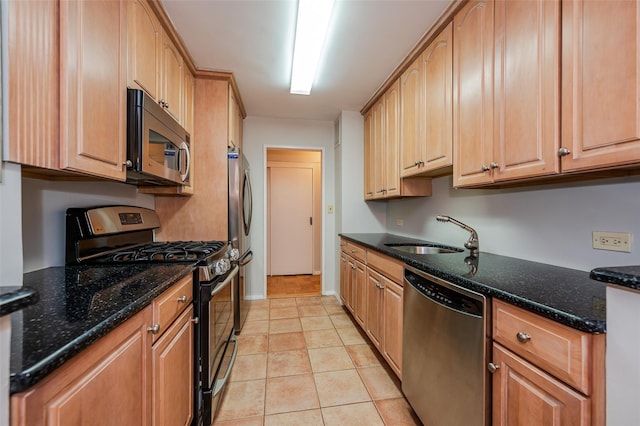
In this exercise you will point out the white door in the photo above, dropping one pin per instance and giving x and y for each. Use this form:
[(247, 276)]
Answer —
[(291, 211)]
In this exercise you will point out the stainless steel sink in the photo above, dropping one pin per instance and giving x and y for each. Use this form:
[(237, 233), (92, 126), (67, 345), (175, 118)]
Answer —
[(423, 248)]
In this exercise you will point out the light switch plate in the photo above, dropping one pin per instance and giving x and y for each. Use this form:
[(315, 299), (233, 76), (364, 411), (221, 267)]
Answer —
[(615, 241)]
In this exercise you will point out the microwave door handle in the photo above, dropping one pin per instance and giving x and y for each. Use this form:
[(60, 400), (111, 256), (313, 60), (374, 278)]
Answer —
[(184, 147)]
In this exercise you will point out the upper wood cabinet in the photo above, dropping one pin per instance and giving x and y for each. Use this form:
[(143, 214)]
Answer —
[(410, 122), (426, 114), (436, 63), (171, 78), (77, 122), (506, 96), (144, 38), (600, 84), (369, 165), (383, 131), (93, 88), (473, 100)]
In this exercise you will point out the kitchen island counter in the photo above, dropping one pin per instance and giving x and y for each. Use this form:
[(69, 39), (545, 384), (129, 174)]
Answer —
[(77, 305), (15, 298), (565, 295)]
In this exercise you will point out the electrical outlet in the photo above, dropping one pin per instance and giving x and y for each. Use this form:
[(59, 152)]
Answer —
[(615, 241), (330, 209), (399, 222)]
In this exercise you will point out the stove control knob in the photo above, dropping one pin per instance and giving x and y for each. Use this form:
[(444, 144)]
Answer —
[(221, 267), (234, 254)]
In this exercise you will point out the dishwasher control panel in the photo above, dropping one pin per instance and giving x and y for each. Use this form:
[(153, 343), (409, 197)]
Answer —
[(445, 296)]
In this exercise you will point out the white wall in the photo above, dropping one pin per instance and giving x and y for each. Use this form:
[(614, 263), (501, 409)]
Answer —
[(44, 204), (260, 133), (547, 223)]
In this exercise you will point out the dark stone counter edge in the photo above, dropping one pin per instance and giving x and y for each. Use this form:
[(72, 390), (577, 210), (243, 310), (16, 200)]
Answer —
[(614, 277), (29, 377), (582, 324), (17, 299)]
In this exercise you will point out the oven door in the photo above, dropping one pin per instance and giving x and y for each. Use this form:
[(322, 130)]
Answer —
[(217, 354)]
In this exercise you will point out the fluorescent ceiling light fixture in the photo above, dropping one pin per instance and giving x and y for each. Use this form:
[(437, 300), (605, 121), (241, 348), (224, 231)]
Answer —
[(311, 29)]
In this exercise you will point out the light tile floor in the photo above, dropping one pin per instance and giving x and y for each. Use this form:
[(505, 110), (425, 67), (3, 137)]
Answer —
[(303, 361)]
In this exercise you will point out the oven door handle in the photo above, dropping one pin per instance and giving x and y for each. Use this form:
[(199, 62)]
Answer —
[(226, 281), (243, 261), (219, 385)]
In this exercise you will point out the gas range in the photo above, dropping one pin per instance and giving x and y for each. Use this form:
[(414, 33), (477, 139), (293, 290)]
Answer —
[(125, 234)]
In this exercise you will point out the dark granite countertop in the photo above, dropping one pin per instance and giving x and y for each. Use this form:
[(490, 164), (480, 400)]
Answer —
[(625, 276), (15, 298), (78, 305), (564, 295)]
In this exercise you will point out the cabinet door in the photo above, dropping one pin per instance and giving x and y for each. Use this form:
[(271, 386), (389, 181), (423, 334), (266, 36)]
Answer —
[(172, 78), (369, 165), (173, 377), (379, 149), (600, 84), (33, 67), (410, 99), (93, 87), (525, 395), (106, 384), (437, 63), (345, 274), (144, 39), (391, 160), (392, 319), (235, 121), (527, 89), (375, 308), (473, 93), (359, 292)]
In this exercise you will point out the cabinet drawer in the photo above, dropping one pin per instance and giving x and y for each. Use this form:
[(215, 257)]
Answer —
[(356, 251), (171, 303), (562, 351), (387, 266)]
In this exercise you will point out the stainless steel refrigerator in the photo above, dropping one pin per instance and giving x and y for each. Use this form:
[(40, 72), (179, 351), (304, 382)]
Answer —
[(240, 212)]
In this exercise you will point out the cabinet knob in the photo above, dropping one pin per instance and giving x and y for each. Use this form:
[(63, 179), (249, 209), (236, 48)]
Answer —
[(194, 320), (485, 168), (523, 337), (563, 151), (128, 163), (182, 299), (494, 165), (420, 163), (492, 367), (154, 329)]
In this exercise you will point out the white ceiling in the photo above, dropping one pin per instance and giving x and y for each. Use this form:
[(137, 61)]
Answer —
[(254, 40)]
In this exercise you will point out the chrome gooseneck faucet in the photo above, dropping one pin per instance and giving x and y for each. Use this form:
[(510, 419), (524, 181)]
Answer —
[(473, 244)]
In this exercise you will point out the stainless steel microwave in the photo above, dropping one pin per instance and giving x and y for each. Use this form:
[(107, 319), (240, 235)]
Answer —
[(157, 146)]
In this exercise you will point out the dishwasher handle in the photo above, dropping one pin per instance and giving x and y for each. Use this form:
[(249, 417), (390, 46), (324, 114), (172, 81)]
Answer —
[(448, 295)]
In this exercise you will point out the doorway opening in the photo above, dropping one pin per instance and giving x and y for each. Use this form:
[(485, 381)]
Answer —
[(294, 222)]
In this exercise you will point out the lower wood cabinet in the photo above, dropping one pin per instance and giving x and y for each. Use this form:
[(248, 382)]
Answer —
[(545, 373), (124, 378), (526, 395), (172, 358), (107, 384), (372, 292)]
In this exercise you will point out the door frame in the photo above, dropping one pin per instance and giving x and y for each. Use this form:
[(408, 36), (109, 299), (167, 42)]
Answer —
[(323, 210)]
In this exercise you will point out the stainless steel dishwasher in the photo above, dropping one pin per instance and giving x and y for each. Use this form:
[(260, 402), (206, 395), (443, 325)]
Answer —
[(444, 353)]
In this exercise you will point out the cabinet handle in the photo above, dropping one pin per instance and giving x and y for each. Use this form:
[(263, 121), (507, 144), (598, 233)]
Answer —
[(523, 337), (420, 163), (353, 266), (194, 320), (493, 367), (182, 299), (354, 251), (563, 151), (485, 168), (154, 329), (494, 165)]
